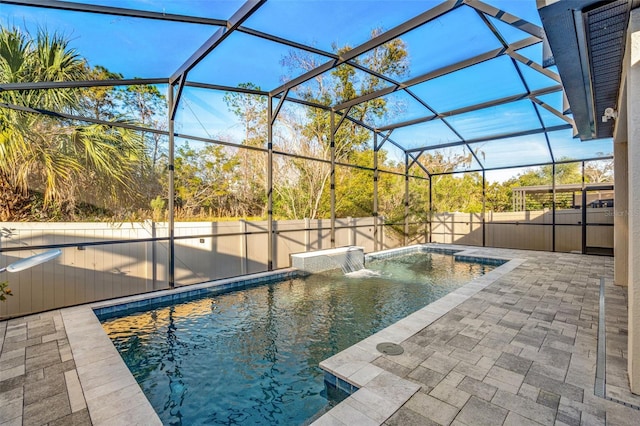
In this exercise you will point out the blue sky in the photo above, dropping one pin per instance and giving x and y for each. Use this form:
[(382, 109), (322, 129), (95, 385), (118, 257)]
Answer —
[(146, 48)]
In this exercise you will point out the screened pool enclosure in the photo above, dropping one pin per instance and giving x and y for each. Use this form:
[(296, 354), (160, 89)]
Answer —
[(265, 128)]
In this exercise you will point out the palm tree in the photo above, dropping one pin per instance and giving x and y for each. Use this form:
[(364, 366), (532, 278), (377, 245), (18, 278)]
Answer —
[(60, 159)]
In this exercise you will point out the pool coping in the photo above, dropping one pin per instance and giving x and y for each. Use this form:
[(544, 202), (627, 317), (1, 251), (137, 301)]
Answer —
[(113, 396), (111, 392)]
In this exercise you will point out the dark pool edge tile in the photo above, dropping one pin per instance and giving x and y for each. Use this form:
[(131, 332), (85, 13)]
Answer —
[(132, 303)]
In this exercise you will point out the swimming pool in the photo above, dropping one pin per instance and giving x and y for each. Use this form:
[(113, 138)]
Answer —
[(251, 356)]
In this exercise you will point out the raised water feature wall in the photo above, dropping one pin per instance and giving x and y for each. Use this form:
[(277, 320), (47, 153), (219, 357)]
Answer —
[(348, 259)]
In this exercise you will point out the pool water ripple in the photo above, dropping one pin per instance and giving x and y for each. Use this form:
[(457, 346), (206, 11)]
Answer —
[(252, 356)]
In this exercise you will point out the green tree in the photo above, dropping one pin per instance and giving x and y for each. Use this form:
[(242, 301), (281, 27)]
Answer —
[(143, 105), (599, 171), (58, 159), (203, 181), (99, 102), (566, 173), (21, 60), (354, 187), (302, 185), (148, 107), (498, 197), (251, 110), (450, 192)]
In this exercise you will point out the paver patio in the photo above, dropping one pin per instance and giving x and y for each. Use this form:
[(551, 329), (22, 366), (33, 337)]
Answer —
[(517, 348)]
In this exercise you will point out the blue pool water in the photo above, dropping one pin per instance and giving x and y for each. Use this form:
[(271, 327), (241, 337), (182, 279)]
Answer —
[(251, 356)]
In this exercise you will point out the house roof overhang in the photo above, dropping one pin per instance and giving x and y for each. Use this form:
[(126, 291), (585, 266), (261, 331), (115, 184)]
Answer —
[(587, 42)]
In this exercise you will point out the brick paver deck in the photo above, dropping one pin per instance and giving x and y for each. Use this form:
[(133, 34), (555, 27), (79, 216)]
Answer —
[(523, 351), (38, 378), (517, 351)]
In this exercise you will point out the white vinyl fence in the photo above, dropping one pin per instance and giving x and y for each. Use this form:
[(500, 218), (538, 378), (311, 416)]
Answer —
[(102, 260)]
